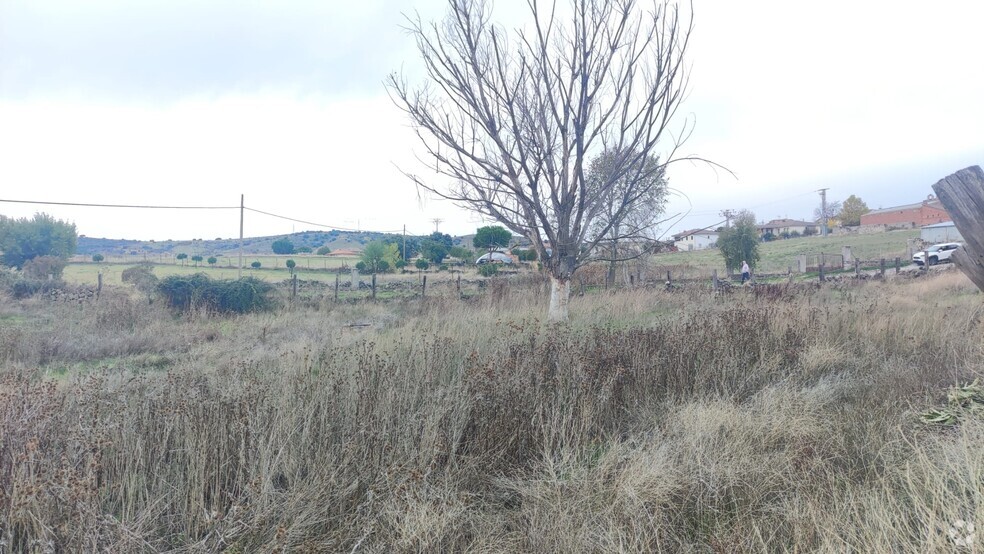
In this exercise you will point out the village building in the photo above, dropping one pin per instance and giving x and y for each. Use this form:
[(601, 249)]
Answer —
[(909, 216), (940, 232), (786, 227), (695, 239)]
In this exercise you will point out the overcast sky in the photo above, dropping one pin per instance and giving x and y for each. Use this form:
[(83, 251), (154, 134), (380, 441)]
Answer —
[(194, 102)]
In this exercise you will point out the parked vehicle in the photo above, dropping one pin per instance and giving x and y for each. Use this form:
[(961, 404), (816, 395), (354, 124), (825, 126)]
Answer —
[(500, 257), (938, 253)]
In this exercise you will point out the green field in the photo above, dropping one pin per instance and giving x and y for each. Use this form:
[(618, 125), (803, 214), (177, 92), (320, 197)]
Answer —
[(777, 255), (87, 273)]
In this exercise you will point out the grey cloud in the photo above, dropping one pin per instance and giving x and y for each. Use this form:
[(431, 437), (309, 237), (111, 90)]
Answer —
[(163, 50)]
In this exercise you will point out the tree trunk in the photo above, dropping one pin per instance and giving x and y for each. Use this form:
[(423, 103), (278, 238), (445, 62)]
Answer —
[(962, 194), (560, 295)]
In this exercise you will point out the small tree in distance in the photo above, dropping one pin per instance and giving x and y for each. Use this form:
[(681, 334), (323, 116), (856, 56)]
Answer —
[(491, 238), (282, 246), (212, 260), (323, 251), (182, 257), (197, 259), (852, 210), (740, 242), (255, 265), (421, 264), (291, 264), (97, 258)]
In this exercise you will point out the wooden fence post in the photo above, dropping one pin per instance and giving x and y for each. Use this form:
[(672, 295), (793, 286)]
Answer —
[(822, 278), (293, 286), (423, 288), (898, 265), (925, 265), (337, 278), (669, 279), (99, 285), (789, 274), (373, 286), (857, 267), (631, 280), (881, 267), (962, 194), (714, 279)]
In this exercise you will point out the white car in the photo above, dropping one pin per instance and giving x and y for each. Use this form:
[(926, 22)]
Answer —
[(937, 253)]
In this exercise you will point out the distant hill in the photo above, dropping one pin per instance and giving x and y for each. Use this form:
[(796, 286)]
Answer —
[(335, 240)]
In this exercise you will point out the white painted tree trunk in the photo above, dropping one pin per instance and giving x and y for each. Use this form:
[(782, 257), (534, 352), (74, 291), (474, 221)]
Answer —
[(560, 297)]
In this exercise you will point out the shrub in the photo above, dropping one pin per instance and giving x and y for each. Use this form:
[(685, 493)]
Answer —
[(197, 260), (488, 270), (43, 266), (768, 237), (421, 264), (97, 258), (183, 292), (323, 251), (291, 264), (142, 277), (303, 250), (212, 260), (255, 265), (282, 246)]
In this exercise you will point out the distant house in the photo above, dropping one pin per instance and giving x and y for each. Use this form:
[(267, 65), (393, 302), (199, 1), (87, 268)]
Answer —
[(940, 232), (695, 239), (778, 227), (910, 216)]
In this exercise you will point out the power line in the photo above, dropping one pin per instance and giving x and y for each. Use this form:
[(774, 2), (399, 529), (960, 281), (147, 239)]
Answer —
[(89, 205)]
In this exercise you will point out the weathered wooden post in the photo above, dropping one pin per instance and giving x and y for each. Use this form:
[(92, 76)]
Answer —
[(457, 284), (857, 268), (925, 265), (423, 288), (822, 278), (881, 267), (373, 286), (99, 284), (714, 279), (631, 281), (898, 265), (789, 274), (293, 286), (962, 194), (337, 279), (669, 279), (354, 282)]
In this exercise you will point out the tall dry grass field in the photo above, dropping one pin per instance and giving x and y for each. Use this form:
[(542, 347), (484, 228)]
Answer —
[(653, 422)]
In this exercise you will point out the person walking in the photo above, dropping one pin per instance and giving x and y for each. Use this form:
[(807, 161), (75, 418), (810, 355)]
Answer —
[(746, 273)]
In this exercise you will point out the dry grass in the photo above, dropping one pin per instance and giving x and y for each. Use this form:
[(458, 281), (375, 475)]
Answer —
[(652, 422)]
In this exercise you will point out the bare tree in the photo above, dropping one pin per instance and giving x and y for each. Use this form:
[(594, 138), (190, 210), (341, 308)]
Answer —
[(833, 211), (514, 118), (627, 231)]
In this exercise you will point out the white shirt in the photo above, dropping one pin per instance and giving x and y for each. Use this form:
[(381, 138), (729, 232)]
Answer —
[(744, 268)]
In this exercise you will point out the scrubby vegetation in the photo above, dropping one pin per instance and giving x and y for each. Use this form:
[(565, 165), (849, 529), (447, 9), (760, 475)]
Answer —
[(788, 420)]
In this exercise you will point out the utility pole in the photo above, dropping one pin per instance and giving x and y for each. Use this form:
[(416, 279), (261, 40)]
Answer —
[(727, 215), (823, 211), (241, 210), (437, 224)]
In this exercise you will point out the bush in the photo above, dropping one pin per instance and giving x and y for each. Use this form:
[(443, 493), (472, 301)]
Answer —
[(488, 270), (25, 239), (323, 251), (212, 260), (184, 292), (282, 246), (291, 264), (142, 277), (97, 258), (303, 250), (43, 266), (255, 265), (768, 237), (421, 264)]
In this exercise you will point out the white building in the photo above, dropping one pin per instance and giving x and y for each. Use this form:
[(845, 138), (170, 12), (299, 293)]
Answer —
[(940, 232), (695, 239)]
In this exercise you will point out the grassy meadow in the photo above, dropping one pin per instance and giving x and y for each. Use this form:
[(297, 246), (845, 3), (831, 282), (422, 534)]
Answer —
[(778, 255), (776, 419)]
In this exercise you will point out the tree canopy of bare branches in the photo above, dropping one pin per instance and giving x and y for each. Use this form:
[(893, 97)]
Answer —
[(510, 120)]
